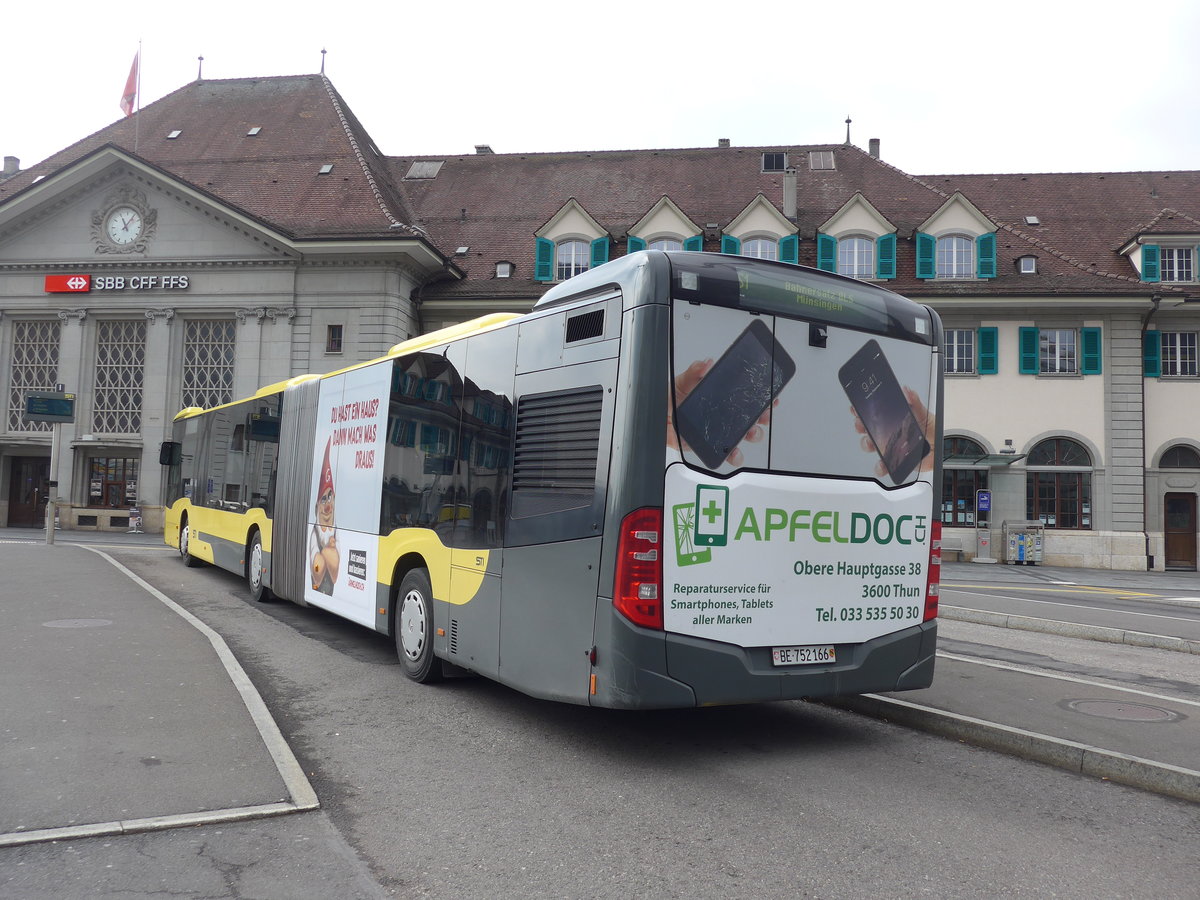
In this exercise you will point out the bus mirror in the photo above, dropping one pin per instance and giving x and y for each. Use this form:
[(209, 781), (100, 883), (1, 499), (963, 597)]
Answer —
[(170, 453)]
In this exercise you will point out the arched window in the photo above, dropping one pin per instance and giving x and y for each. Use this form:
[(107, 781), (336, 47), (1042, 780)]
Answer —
[(1055, 495), (955, 256), (761, 248), (665, 244), (960, 480), (1180, 456), (856, 257), (571, 258)]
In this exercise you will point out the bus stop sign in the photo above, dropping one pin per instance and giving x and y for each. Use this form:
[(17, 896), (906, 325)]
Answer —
[(49, 406)]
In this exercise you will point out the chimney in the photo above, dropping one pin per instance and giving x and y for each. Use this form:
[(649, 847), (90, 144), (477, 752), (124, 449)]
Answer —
[(12, 166), (723, 143), (483, 149), (873, 144), (789, 192)]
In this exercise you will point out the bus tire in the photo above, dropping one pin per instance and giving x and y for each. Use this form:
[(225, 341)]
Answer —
[(254, 570), (414, 628), (185, 533)]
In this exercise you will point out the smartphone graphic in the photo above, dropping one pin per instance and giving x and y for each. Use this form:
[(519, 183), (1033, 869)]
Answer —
[(712, 515), (731, 396), (686, 551), (871, 385)]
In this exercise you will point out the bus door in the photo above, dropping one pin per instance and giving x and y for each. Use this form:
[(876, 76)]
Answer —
[(470, 516), (561, 456)]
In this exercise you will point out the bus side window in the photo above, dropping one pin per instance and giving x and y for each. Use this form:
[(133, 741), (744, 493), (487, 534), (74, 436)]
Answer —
[(483, 472)]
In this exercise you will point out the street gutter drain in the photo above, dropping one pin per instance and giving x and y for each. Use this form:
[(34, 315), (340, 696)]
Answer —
[(1122, 711)]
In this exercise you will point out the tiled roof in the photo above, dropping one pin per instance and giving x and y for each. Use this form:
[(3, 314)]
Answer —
[(494, 203), (303, 125), (1085, 218)]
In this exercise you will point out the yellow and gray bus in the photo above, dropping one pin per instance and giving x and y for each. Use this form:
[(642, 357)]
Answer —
[(682, 479)]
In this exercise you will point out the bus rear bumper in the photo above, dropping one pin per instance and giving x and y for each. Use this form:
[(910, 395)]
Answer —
[(723, 673)]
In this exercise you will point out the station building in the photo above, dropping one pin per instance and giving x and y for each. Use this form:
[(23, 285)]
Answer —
[(237, 233)]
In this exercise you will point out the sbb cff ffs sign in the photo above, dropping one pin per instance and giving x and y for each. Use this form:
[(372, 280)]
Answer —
[(49, 406), (69, 284)]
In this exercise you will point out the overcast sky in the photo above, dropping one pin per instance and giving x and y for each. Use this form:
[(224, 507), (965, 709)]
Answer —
[(948, 87)]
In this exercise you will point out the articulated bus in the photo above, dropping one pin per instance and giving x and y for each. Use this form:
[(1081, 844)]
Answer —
[(682, 479)]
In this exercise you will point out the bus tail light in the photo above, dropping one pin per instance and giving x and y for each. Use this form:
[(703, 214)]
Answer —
[(637, 591), (933, 584)]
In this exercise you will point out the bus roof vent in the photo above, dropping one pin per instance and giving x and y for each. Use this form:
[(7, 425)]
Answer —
[(585, 325)]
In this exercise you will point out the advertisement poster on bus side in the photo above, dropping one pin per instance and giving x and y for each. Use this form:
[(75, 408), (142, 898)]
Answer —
[(343, 518)]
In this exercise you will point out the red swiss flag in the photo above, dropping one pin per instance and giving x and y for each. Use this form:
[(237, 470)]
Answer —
[(131, 87), (68, 284)]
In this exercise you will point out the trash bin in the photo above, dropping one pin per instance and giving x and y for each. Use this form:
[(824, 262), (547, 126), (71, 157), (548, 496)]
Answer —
[(1023, 541)]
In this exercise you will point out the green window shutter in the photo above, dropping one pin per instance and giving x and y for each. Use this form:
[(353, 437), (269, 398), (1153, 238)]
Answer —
[(635, 244), (599, 251), (1150, 270), (826, 252), (985, 256), (731, 245), (543, 267), (1091, 338), (885, 256), (926, 255), (1028, 342), (988, 340), (789, 249), (695, 242), (1152, 354)]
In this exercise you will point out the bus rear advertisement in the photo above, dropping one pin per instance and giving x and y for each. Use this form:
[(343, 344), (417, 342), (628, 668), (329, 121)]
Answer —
[(682, 479)]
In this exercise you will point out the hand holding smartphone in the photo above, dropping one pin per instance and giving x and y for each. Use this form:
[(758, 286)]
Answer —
[(733, 394), (884, 411)]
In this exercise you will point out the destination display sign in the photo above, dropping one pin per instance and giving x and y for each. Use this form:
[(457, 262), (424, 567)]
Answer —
[(774, 288), (49, 406)]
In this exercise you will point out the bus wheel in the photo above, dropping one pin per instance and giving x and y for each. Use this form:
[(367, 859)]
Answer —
[(254, 570), (414, 628), (185, 531)]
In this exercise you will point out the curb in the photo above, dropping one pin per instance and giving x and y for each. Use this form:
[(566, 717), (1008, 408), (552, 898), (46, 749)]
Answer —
[(1156, 777), (1069, 629)]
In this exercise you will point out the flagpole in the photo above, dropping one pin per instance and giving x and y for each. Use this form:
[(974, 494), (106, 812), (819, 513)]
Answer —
[(137, 120)]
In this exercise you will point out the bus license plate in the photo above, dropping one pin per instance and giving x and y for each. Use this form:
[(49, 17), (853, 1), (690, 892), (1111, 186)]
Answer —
[(799, 656)]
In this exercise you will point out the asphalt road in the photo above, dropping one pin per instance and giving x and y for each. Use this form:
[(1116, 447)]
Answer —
[(1171, 609), (470, 790)]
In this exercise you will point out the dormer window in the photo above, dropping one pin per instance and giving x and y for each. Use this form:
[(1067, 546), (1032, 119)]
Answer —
[(761, 248), (856, 257), (1176, 263), (570, 259), (504, 270), (955, 256), (571, 243), (1027, 265), (957, 242)]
